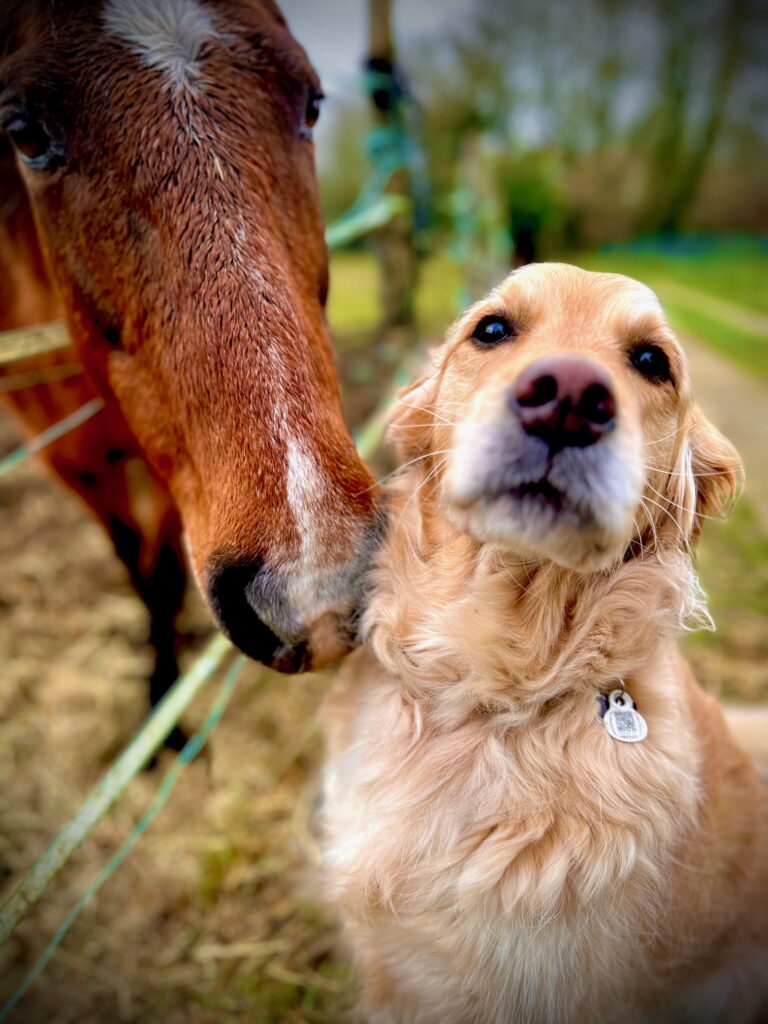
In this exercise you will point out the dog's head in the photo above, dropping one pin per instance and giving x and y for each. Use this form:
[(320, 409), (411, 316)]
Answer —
[(556, 422)]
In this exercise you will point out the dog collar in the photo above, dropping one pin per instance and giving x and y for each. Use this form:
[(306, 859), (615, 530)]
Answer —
[(619, 715)]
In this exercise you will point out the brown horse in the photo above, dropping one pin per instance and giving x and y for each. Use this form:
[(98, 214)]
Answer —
[(158, 169)]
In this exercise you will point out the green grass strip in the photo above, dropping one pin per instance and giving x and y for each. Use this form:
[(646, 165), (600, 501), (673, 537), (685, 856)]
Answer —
[(746, 348), (369, 435)]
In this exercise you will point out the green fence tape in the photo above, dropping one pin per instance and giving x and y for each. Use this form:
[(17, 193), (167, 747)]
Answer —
[(32, 341), (51, 434), (131, 761), (190, 750)]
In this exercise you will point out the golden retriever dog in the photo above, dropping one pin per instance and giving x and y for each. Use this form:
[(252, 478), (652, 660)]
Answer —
[(532, 813)]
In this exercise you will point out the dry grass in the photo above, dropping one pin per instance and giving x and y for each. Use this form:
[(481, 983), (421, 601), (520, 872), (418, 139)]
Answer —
[(216, 915)]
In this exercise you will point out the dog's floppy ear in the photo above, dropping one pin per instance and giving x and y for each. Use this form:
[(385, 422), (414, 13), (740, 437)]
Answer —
[(708, 476), (717, 468), (411, 421)]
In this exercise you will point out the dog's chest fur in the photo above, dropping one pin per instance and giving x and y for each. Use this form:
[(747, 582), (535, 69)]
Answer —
[(529, 857), (495, 853)]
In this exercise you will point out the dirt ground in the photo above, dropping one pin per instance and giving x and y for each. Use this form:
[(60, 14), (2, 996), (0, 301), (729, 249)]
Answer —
[(217, 915), (733, 555)]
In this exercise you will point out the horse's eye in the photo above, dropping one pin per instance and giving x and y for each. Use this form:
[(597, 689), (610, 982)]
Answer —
[(311, 113), (492, 330), (32, 142), (651, 361)]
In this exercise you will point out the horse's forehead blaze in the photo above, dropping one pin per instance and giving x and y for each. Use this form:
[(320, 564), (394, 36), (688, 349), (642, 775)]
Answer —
[(165, 34)]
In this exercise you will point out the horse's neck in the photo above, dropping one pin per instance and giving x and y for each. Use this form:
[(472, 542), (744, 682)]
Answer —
[(27, 297)]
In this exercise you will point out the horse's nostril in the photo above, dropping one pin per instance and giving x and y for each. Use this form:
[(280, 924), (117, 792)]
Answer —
[(237, 593), (566, 401)]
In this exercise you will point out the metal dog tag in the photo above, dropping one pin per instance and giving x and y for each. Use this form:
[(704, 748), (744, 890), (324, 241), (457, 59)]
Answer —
[(621, 719)]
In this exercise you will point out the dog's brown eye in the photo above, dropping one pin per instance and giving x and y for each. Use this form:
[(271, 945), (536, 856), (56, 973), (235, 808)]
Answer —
[(491, 330), (651, 361)]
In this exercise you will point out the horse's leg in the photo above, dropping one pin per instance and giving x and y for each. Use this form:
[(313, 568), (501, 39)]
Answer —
[(161, 582), (145, 530)]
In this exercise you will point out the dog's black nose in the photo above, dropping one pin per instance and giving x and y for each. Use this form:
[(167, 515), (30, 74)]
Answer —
[(566, 401)]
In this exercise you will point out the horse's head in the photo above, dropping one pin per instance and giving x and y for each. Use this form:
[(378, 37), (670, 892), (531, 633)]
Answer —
[(166, 148)]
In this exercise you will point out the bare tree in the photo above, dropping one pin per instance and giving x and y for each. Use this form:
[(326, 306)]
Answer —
[(394, 243), (679, 158)]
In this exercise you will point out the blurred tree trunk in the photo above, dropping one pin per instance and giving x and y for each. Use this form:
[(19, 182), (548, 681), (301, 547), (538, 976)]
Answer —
[(689, 178), (667, 125), (393, 243), (675, 169)]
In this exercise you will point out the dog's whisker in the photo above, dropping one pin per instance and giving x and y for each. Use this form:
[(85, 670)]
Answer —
[(661, 468), (675, 504), (639, 535), (433, 421), (652, 524), (397, 471), (520, 565), (685, 539), (527, 591), (412, 462), (666, 437), (420, 486)]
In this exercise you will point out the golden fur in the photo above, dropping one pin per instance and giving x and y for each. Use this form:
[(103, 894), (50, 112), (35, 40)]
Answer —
[(495, 854)]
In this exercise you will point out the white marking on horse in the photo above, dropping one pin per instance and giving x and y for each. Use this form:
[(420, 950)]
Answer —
[(165, 34), (318, 581), (305, 487)]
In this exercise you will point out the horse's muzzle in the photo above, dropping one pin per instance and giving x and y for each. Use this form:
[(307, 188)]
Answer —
[(253, 607)]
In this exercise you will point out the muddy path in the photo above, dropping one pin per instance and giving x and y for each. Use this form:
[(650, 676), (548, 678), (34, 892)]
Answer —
[(737, 403)]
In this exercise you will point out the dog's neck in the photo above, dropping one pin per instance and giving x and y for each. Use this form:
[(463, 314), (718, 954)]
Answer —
[(475, 630), (492, 669)]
